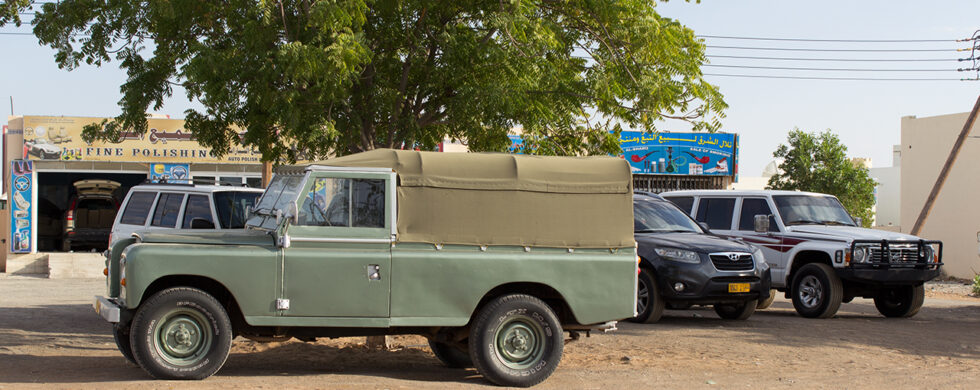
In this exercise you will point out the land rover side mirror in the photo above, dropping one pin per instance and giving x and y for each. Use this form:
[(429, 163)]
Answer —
[(292, 213), (761, 223), (704, 225)]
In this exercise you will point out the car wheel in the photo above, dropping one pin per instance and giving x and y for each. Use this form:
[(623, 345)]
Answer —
[(181, 333), (764, 304), (649, 303), (450, 355), (121, 335), (516, 340), (904, 301), (736, 311), (817, 291)]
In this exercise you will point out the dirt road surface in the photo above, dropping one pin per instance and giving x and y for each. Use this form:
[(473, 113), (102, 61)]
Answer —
[(51, 338)]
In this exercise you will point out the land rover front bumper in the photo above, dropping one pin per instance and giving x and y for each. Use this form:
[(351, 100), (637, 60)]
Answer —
[(108, 309)]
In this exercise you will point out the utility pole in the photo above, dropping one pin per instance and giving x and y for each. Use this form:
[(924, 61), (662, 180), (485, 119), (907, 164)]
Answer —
[(266, 173)]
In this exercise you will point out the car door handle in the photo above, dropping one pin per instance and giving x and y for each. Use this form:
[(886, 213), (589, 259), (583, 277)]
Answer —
[(373, 272)]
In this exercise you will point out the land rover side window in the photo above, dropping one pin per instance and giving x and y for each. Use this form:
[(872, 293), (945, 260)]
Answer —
[(716, 212), (685, 203), (167, 209), (344, 202), (138, 208), (198, 207), (751, 208)]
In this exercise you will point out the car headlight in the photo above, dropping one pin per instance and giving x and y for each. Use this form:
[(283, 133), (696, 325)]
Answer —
[(927, 253), (678, 255), (860, 254)]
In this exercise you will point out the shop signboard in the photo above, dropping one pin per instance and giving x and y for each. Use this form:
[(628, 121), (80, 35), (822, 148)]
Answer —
[(713, 154), (166, 140), (170, 173), (21, 191)]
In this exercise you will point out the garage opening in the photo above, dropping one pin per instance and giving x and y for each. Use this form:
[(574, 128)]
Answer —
[(93, 210)]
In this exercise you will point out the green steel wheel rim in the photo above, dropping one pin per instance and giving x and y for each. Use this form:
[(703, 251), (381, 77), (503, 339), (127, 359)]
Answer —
[(183, 337), (520, 343)]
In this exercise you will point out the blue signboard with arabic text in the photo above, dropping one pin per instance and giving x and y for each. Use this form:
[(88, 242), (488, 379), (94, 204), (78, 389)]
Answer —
[(663, 153), (21, 189)]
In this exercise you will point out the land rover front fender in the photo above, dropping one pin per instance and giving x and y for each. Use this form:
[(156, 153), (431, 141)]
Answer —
[(248, 272)]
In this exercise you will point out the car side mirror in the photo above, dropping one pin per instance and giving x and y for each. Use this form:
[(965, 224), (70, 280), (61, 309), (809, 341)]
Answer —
[(292, 212), (704, 225), (858, 221), (761, 223), (201, 223)]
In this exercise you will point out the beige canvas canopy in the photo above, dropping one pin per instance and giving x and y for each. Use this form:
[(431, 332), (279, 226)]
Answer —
[(506, 199)]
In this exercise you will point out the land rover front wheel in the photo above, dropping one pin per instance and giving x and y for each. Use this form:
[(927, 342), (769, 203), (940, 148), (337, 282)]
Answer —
[(904, 301), (516, 340), (181, 333), (649, 303), (817, 291)]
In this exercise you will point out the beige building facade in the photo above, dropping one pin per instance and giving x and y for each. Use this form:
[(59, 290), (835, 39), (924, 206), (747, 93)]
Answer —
[(955, 216)]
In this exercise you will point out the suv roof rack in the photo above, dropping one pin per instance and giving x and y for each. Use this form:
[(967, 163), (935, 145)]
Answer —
[(192, 182)]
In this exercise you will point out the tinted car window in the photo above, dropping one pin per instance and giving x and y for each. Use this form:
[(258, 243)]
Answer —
[(751, 208), (137, 208), (716, 212), (685, 203), (232, 207), (650, 216), (167, 209), (198, 207)]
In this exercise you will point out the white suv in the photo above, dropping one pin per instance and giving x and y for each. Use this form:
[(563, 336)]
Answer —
[(161, 207), (818, 255)]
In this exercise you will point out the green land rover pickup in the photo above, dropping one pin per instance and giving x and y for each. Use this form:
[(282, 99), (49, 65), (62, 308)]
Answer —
[(492, 257)]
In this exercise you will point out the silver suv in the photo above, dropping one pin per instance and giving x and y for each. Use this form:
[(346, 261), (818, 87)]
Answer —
[(818, 255), (162, 207)]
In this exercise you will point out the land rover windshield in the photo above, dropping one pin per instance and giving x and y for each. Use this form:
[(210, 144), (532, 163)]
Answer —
[(811, 210), (281, 191)]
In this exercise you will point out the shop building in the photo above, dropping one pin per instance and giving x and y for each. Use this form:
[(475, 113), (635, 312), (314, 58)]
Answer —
[(45, 156)]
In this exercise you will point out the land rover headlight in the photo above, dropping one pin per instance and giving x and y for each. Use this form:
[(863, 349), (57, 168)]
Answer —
[(860, 254), (678, 255)]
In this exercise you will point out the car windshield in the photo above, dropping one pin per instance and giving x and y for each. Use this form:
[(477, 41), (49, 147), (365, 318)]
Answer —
[(651, 216), (811, 210), (232, 206), (282, 190)]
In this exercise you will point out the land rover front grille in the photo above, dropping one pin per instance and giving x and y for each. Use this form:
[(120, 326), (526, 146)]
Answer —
[(732, 261)]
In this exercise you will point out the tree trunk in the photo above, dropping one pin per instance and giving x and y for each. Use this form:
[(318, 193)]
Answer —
[(378, 342)]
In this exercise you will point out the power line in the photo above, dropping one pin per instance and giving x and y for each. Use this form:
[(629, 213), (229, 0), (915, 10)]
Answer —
[(834, 78), (843, 59), (837, 69), (834, 40), (830, 50)]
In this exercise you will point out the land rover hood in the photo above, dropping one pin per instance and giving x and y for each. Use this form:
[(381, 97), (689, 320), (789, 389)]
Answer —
[(851, 233), (227, 237)]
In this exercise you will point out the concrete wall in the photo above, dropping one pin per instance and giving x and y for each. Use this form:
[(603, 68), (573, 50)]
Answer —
[(888, 196), (955, 216)]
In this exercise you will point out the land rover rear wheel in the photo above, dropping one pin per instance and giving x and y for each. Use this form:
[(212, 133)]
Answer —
[(516, 340), (451, 356), (649, 303), (817, 291), (181, 333), (904, 301), (736, 311)]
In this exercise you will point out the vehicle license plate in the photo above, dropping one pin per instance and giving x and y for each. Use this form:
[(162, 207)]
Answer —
[(738, 287)]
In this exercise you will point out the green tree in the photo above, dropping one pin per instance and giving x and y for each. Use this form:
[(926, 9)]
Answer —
[(818, 162), (315, 77)]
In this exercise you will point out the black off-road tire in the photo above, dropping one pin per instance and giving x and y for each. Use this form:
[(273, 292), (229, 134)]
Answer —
[(181, 333), (649, 303), (736, 311), (120, 333), (516, 340), (817, 291), (450, 355), (900, 302), (765, 303)]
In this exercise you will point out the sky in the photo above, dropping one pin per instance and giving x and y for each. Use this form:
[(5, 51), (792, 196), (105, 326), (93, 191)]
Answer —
[(865, 114)]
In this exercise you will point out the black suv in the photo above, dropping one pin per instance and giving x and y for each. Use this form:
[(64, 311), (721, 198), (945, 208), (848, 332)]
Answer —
[(682, 264)]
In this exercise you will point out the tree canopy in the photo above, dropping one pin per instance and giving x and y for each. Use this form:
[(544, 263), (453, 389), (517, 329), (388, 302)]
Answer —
[(817, 162), (310, 78)]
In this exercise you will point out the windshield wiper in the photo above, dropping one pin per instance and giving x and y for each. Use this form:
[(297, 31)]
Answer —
[(805, 222), (836, 223)]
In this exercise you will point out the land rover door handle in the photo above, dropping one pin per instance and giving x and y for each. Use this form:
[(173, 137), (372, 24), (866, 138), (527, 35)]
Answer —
[(374, 272)]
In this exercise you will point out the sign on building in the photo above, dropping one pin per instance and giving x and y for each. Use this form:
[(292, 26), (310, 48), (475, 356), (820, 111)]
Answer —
[(22, 187), (712, 154)]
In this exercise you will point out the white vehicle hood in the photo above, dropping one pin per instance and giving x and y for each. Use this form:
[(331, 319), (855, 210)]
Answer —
[(851, 233)]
